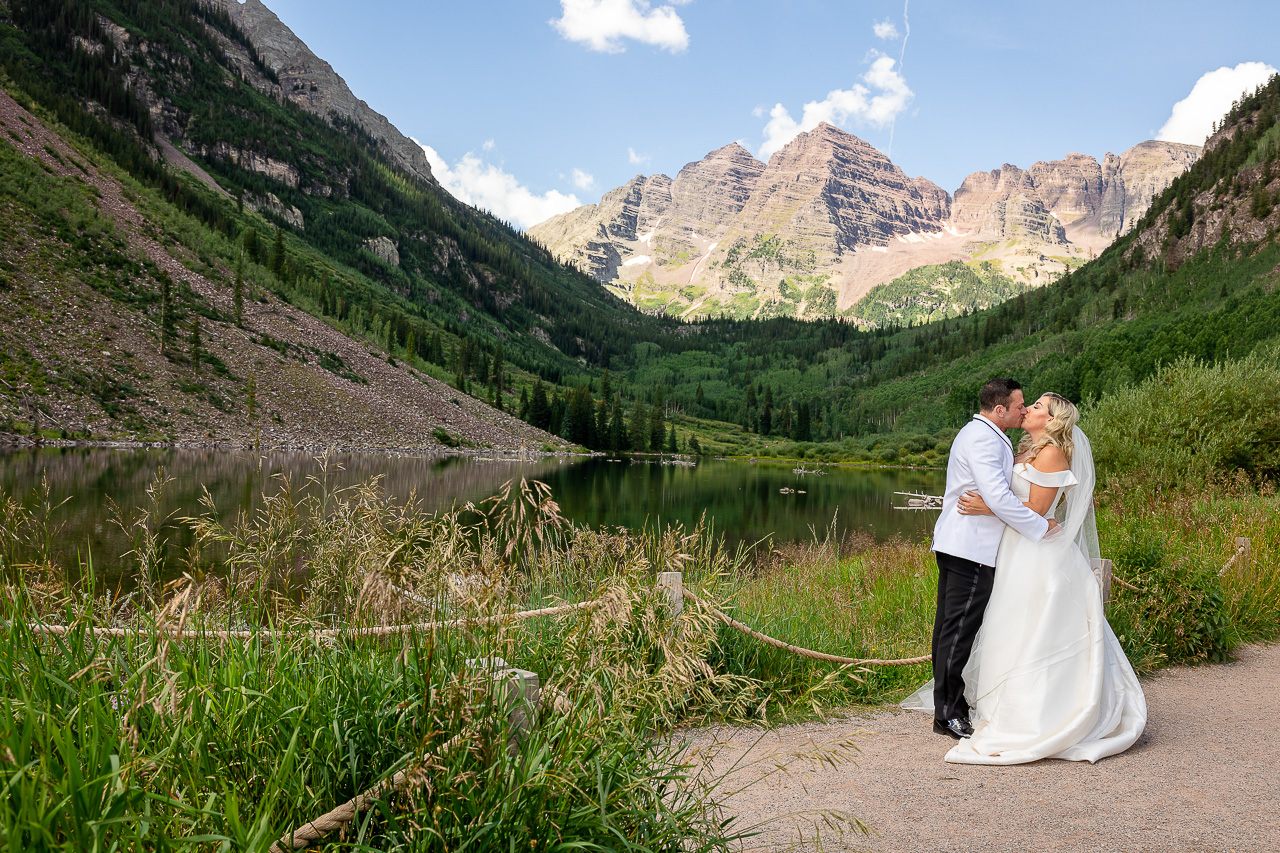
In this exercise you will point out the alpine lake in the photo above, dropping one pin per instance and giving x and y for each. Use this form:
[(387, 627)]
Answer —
[(750, 503)]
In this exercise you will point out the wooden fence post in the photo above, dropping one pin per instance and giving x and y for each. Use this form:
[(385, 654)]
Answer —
[(1245, 548), (519, 692), (1102, 571), (672, 583)]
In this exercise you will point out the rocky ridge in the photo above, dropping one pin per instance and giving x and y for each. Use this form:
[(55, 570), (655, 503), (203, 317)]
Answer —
[(829, 217), (312, 84)]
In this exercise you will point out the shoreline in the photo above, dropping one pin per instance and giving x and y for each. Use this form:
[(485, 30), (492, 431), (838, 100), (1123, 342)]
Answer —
[(11, 442)]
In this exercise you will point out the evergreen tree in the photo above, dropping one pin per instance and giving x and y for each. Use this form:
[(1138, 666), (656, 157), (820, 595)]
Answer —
[(277, 256), (539, 408), (602, 424), (694, 447), (560, 415), (581, 416), (435, 353), (657, 427), (672, 446), (499, 369), (803, 431), (699, 398), (766, 412), (524, 405), (252, 247), (617, 427), (749, 416), (638, 429)]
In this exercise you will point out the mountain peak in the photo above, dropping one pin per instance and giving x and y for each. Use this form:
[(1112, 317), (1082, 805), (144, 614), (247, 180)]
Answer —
[(312, 84)]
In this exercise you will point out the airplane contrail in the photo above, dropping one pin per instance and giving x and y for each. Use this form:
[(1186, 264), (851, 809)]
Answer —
[(906, 24)]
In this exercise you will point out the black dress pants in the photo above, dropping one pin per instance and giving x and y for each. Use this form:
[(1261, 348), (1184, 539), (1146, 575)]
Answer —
[(964, 587)]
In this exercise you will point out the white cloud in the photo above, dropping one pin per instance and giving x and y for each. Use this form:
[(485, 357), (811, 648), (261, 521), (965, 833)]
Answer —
[(877, 103), (488, 145), (601, 25), (886, 30), (583, 180), (1192, 118), (487, 186), (637, 159)]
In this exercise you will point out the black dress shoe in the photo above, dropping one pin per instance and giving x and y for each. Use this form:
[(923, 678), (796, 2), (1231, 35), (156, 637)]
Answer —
[(957, 728)]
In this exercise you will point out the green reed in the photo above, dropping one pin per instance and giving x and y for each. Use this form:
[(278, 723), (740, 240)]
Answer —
[(150, 742)]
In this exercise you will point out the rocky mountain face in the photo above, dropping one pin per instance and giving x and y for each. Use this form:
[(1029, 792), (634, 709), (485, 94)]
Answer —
[(312, 84), (1133, 179), (829, 218), (94, 364), (1235, 198)]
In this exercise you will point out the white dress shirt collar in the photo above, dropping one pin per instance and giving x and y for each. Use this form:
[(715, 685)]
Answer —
[(986, 420)]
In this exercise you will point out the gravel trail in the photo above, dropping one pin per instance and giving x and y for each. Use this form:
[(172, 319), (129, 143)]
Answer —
[(1204, 776)]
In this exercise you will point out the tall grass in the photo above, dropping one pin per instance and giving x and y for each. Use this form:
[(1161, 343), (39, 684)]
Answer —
[(147, 741), (150, 742), (854, 598)]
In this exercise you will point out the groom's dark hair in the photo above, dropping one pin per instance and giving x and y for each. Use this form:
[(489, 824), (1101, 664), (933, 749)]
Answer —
[(997, 393)]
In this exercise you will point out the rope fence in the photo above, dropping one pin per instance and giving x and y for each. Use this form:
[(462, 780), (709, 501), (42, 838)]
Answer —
[(800, 650), (1244, 549), (521, 693), (372, 631)]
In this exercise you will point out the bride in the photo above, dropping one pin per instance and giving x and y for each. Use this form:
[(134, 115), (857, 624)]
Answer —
[(1047, 677)]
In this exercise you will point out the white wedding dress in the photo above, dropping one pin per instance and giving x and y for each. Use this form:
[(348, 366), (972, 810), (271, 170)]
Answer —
[(1047, 677)]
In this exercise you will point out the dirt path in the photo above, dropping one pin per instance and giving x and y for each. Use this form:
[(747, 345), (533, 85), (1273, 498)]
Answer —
[(1205, 776)]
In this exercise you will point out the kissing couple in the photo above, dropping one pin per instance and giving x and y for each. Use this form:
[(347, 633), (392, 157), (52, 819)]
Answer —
[(1025, 665)]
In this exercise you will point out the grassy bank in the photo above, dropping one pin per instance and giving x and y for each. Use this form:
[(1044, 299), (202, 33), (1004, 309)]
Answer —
[(147, 742), (144, 741)]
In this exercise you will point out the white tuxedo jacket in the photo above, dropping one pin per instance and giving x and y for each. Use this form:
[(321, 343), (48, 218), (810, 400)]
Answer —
[(982, 461)]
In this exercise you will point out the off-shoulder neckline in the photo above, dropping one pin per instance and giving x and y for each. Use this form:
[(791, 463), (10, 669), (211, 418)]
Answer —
[(1038, 471)]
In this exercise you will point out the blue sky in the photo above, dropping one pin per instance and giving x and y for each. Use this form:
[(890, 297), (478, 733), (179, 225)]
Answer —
[(535, 106)]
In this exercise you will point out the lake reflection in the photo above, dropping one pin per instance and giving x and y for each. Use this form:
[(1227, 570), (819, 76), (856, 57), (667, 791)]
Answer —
[(744, 500)]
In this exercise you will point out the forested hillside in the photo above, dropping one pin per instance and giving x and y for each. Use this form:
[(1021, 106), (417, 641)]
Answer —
[(267, 201)]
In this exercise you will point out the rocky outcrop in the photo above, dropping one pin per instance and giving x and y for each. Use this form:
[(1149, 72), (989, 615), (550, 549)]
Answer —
[(936, 200), (384, 250), (588, 237), (1097, 201), (1136, 177), (1070, 187), (312, 84), (252, 161), (273, 205), (1004, 203)]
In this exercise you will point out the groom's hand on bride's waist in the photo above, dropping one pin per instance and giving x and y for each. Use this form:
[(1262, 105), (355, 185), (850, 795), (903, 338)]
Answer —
[(1054, 528)]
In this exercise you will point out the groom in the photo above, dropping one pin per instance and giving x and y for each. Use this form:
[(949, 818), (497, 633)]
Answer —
[(965, 545)]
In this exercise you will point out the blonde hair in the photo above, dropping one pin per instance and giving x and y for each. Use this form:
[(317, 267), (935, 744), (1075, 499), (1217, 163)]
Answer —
[(1063, 416)]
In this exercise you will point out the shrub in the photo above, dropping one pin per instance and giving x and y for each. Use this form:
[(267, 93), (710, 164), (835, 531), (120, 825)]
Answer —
[(1192, 421), (1180, 613)]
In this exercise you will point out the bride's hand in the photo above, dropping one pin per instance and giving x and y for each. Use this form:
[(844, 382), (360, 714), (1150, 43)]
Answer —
[(971, 503)]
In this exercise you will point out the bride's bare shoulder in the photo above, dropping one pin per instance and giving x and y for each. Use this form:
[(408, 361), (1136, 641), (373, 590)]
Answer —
[(1050, 459)]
